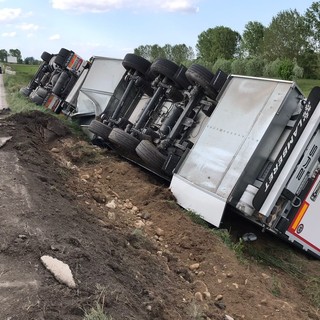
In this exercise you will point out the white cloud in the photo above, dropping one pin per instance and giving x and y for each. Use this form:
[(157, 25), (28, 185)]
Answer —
[(9, 34), (55, 37), (108, 5), (179, 5), (30, 35), (28, 27), (8, 14)]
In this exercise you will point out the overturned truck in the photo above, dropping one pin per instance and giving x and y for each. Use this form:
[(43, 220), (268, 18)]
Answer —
[(259, 154), (229, 142), (222, 141)]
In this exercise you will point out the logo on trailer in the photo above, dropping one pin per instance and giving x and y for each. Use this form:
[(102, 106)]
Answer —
[(300, 228), (284, 154)]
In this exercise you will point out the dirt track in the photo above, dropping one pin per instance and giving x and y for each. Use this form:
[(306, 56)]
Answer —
[(129, 246)]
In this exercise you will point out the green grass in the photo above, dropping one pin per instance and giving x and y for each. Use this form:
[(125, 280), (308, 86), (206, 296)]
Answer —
[(96, 313), (24, 68), (307, 84), (236, 246)]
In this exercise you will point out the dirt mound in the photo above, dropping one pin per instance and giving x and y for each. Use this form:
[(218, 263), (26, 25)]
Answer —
[(128, 244)]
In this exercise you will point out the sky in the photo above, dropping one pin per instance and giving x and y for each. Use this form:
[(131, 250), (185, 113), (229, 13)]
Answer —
[(113, 28)]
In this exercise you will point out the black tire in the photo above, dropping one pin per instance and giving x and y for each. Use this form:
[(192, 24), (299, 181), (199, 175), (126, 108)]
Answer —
[(201, 76), (36, 99), (60, 61), (25, 91), (100, 129), (165, 67), (41, 92), (150, 155), (46, 56), (123, 140), (137, 63), (61, 82), (64, 53)]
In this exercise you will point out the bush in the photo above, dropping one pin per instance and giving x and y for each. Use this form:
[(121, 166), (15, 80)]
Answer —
[(286, 69), (271, 69), (254, 67), (238, 66), (223, 64), (297, 72)]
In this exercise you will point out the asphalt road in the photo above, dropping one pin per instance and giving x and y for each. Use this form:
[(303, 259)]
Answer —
[(3, 101)]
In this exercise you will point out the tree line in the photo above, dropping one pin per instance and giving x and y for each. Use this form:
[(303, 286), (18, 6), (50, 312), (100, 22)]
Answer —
[(287, 48), (16, 53)]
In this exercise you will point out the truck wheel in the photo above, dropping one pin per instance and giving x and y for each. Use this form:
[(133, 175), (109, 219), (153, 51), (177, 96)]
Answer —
[(42, 92), (60, 61), (25, 91), (61, 57), (165, 67), (64, 53), (46, 56), (123, 140), (60, 83), (201, 76), (100, 129), (137, 63), (150, 155)]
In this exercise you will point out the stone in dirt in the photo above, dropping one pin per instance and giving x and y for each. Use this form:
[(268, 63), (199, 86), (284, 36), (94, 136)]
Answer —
[(60, 270)]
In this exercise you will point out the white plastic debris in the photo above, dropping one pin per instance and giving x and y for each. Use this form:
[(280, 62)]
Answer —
[(249, 237), (4, 140), (60, 270)]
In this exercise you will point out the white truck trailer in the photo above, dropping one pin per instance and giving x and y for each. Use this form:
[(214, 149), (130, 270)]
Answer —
[(259, 153)]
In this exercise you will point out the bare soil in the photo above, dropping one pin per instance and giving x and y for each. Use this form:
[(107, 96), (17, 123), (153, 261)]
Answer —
[(130, 247)]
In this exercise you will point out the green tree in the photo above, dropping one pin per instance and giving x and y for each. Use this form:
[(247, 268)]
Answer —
[(309, 60), (150, 52), (16, 53), (238, 66), (223, 64), (286, 36), (312, 17), (30, 60), (219, 42), (181, 53), (3, 55), (255, 67), (252, 38), (178, 53)]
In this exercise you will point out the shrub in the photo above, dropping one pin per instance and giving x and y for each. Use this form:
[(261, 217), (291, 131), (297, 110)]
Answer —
[(271, 69), (286, 69), (223, 64), (238, 66), (297, 72), (254, 67)]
